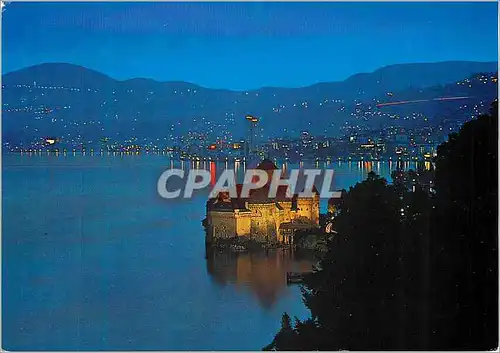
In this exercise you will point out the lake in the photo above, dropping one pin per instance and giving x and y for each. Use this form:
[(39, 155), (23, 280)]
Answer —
[(94, 259)]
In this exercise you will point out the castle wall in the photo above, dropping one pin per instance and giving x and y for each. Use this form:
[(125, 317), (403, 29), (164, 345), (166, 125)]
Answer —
[(264, 223), (261, 221), (243, 221), (308, 207), (222, 224), (304, 208), (287, 211), (315, 210)]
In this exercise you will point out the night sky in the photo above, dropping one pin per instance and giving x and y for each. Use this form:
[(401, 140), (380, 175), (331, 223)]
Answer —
[(245, 45)]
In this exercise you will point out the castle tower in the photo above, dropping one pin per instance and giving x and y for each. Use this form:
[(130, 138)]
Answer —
[(269, 167), (252, 138)]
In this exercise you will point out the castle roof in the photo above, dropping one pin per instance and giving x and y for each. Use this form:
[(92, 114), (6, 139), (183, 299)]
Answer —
[(261, 195), (266, 164)]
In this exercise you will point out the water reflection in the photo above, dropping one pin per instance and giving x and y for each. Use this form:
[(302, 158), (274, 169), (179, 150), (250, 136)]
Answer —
[(213, 174), (359, 169), (262, 272), (143, 259)]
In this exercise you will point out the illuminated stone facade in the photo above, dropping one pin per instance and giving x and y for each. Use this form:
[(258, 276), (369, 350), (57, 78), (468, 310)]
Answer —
[(258, 216)]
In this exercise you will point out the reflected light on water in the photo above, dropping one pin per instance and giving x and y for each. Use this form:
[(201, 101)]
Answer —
[(213, 173), (263, 273)]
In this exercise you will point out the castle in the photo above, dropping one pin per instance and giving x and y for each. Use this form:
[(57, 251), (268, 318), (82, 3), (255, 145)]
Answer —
[(259, 217)]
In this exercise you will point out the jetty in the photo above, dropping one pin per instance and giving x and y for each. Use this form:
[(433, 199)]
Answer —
[(295, 277)]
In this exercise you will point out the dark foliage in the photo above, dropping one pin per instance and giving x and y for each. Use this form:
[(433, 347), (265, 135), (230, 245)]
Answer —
[(408, 270), (465, 239)]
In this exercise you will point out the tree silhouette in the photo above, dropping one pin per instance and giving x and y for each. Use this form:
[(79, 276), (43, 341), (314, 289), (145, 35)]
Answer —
[(465, 238), (408, 270)]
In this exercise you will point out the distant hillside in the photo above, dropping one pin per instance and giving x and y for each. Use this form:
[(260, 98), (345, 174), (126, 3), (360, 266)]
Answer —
[(399, 77), (81, 104), (58, 74)]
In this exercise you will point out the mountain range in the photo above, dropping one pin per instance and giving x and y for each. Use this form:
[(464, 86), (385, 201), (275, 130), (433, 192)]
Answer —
[(77, 104)]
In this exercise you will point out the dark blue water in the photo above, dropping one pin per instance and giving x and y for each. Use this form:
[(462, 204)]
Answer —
[(94, 259)]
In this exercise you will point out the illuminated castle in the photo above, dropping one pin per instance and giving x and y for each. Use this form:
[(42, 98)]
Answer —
[(259, 217)]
